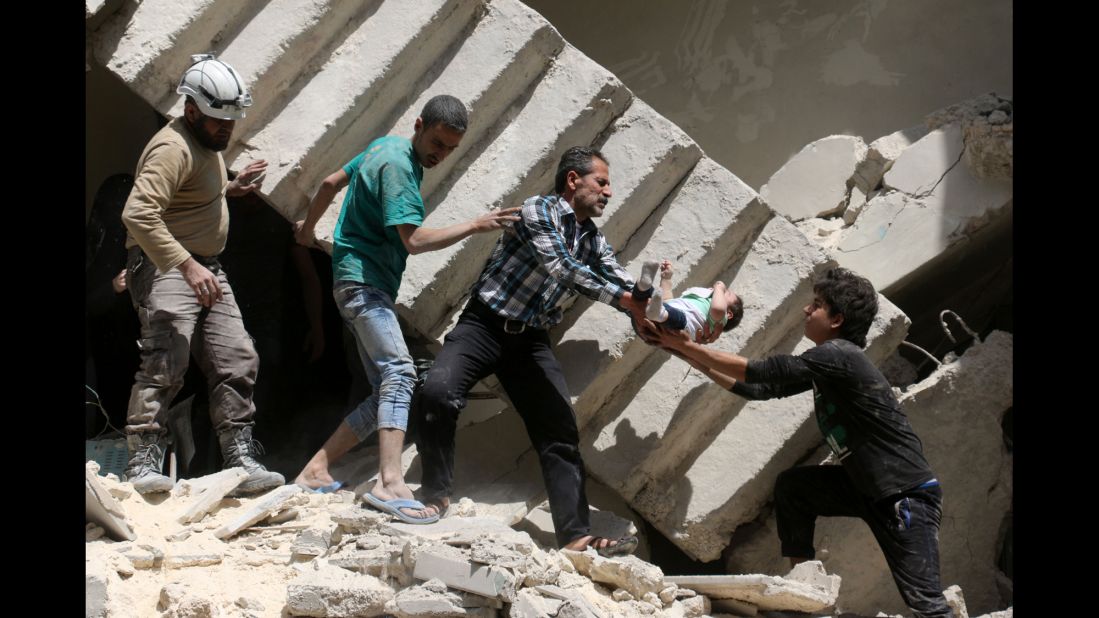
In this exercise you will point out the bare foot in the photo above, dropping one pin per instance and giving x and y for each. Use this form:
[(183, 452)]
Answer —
[(312, 479), (401, 491)]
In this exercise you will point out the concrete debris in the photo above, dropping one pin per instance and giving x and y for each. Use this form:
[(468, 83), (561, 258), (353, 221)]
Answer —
[(814, 182), (463, 508), (315, 541), (1006, 613), (281, 517), (880, 156), (530, 604), (325, 590), (270, 503), (432, 599), (101, 508), (668, 594), (179, 561), (374, 555), (638, 577), (359, 520), (453, 566), (178, 600), (209, 491), (99, 582), (988, 130), (698, 606), (956, 601), (487, 550), (807, 588), (463, 532), (141, 556), (621, 594), (574, 603), (92, 532)]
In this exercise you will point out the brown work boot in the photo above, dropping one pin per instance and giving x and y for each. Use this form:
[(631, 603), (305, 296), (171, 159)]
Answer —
[(238, 450)]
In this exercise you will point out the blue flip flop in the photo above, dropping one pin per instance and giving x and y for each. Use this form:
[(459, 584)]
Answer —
[(330, 488), (393, 507)]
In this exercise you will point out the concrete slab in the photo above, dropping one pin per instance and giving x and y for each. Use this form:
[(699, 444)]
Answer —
[(269, 504), (813, 183)]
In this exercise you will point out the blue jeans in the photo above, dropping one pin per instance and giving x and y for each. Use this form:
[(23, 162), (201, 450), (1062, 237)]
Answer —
[(370, 315)]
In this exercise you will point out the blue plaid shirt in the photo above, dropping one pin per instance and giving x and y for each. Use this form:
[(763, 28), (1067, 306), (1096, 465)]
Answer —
[(545, 259)]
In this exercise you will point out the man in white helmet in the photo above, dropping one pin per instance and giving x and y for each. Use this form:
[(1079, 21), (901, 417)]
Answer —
[(177, 221)]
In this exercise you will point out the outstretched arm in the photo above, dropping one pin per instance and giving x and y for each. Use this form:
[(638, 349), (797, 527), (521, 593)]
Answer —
[(423, 239)]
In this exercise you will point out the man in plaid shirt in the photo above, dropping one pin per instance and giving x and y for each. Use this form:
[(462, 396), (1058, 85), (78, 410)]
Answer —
[(553, 253)]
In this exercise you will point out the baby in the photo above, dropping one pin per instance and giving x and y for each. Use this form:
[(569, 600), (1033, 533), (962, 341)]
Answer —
[(717, 306)]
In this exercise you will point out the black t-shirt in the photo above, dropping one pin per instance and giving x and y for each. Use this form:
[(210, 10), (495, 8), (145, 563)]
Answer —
[(856, 411)]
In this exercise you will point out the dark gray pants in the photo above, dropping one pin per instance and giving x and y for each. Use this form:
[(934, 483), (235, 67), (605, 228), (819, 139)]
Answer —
[(906, 526), (171, 320)]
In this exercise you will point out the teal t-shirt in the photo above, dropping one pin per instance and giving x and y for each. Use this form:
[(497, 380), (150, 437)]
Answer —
[(384, 191)]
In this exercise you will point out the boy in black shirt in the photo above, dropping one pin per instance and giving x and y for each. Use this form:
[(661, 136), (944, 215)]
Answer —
[(883, 477)]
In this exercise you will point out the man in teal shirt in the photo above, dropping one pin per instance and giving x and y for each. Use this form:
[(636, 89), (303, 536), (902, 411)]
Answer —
[(379, 226)]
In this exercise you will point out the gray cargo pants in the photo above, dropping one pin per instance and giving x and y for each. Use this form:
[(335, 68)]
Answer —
[(170, 319)]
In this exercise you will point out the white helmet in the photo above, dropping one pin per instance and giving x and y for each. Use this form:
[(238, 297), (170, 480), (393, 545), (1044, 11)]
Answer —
[(216, 87)]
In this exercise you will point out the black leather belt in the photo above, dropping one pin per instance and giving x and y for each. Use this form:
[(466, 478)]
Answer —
[(481, 310)]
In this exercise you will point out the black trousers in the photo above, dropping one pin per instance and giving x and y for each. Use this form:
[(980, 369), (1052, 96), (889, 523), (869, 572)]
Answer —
[(530, 374), (906, 526)]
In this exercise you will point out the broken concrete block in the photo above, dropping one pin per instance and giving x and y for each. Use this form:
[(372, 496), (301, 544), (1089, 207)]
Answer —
[(179, 561), (454, 568), (141, 556), (463, 531), (430, 599), (813, 183), (936, 204), (574, 604), (92, 532), (214, 487), (325, 590), (488, 550), (315, 541), (101, 508), (99, 581), (652, 599), (667, 595), (629, 572), (375, 555), (880, 156), (359, 520), (269, 504), (768, 592), (988, 130), (281, 517), (696, 606), (530, 604), (621, 594), (543, 568), (956, 601), (825, 233)]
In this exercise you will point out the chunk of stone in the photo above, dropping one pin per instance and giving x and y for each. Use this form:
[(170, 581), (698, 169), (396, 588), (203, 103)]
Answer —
[(325, 590)]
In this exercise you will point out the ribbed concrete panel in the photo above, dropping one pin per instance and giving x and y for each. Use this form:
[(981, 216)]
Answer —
[(509, 48), (572, 105), (707, 221), (300, 29), (359, 76), (149, 44)]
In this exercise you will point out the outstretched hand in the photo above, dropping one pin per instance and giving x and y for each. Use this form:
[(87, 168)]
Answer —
[(249, 179), (496, 219)]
